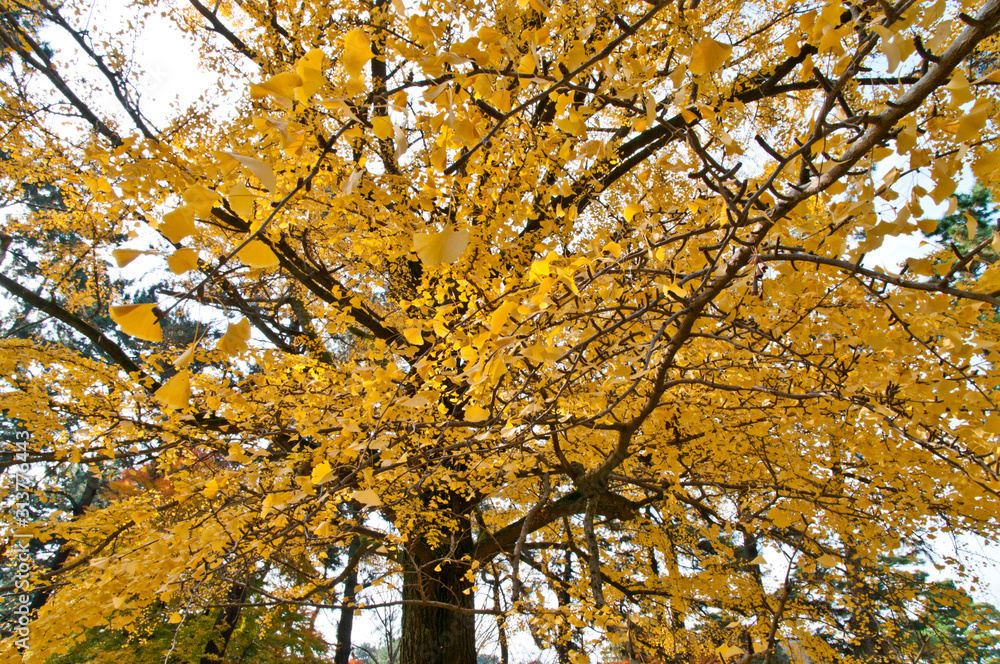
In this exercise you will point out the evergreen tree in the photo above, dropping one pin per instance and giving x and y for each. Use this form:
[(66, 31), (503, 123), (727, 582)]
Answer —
[(971, 227)]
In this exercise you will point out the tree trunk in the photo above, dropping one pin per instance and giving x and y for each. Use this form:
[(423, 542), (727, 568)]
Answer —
[(501, 627), (346, 625), (434, 634), (225, 625), (565, 647)]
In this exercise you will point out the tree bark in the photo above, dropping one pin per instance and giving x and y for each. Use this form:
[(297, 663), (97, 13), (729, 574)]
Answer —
[(432, 633), (501, 621), (565, 646), (346, 625), (225, 625)]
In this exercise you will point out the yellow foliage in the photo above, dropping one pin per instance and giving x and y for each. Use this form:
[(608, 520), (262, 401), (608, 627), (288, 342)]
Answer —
[(594, 309)]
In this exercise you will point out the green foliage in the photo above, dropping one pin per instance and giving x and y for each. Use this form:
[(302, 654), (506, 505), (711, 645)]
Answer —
[(264, 636), (955, 629), (903, 616), (953, 229)]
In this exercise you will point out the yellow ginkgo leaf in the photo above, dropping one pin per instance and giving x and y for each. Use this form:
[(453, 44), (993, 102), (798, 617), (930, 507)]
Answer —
[(257, 254), (422, 29), (261, 169), (416, 401), (138, 320), (971, 224), (321, 473), (488, 35), (117, 602), (382, 127), (632, 210), (708, 55), (368, 497), (241, 200), (402, 144), (234, 341), (500, 317), (780, 519), (889, 45), (476, 414), (310, 70), (176, 392), (440, 248), (993, 77), (357, 52), (186, 357), (125, 256), (175, 618), (727, 651), (826, 560), (201, 199), (413, 336), (211, 489), (293, 138), (322, 530), (958, 86), (178, 224), (280, 87), (182, 260), (542, 353)]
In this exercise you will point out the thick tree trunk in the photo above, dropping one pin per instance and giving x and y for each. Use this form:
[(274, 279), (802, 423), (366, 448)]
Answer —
[(432, 633)]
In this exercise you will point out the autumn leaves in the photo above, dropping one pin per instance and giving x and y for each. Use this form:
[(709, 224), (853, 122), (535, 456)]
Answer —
[(142, 321)]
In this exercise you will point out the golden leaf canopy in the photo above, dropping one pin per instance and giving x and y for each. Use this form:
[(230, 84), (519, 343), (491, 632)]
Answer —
[(641, 330)]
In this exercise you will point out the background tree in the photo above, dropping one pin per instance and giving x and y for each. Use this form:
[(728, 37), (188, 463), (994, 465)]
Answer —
[(276, 636), (971, 227), (571, 291)]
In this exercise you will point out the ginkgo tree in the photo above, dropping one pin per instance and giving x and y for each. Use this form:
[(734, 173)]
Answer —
[(575, 293)]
